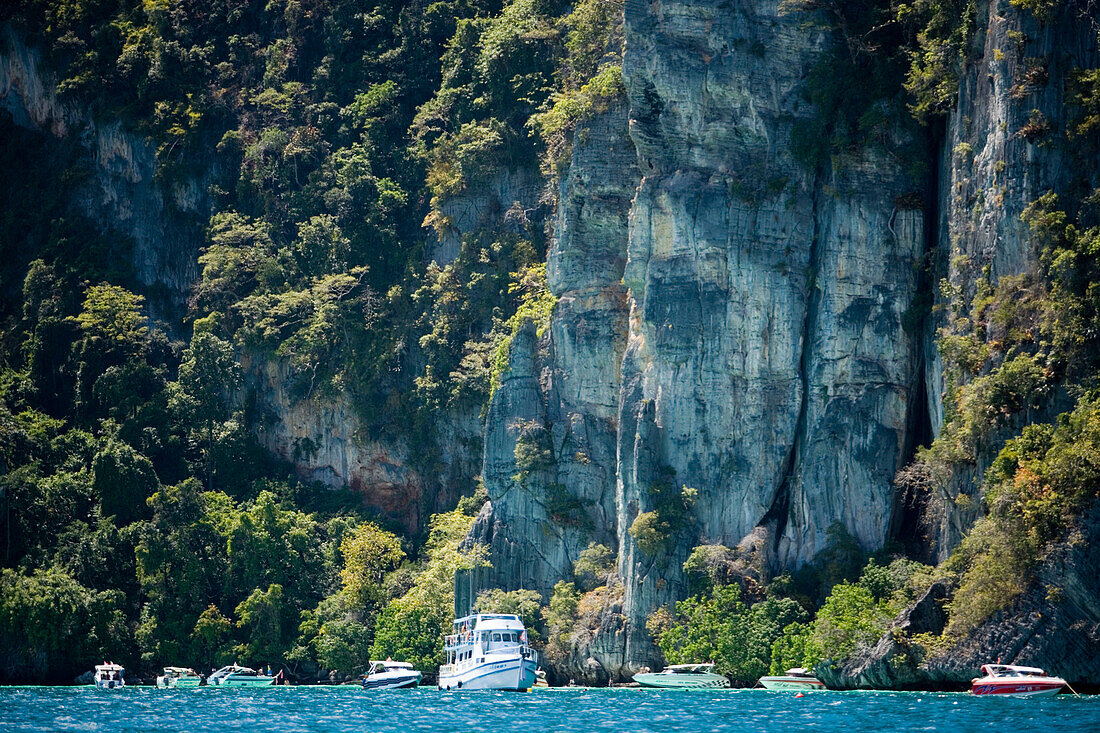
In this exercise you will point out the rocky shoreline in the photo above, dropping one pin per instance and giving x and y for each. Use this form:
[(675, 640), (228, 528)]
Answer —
[(1054, 624)]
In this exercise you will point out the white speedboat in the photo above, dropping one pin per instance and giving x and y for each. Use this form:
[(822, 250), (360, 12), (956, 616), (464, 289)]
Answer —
[(174, 677), (1010, 680), (234, 675), (796, 678), (390, 675), (109, 676), (488, 651), (683, 677)]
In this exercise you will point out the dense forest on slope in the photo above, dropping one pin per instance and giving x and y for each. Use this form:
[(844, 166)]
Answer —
[(141, 515), (329, 140)]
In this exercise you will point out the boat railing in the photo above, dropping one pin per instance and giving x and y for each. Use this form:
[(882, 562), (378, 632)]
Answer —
[(454, 640), (525, 651)]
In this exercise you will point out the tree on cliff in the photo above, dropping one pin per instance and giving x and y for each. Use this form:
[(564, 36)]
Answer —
[(412, 627), (209, 377)]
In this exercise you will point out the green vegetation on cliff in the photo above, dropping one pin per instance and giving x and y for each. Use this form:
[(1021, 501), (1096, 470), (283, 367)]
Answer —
[(837, 604), (337, 147), (142, 519)]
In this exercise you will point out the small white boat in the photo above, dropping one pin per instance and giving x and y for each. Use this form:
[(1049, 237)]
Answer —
[(390, 675), (234, 675), (1011, 680), (174, 677), (109, 676), (488, 651), (796, 678), (683, 677)]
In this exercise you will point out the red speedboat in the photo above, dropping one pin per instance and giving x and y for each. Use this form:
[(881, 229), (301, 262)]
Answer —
[(1014, 681)]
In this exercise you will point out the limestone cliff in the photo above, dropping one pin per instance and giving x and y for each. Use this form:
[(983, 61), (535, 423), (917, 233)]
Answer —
[(323, 437), (122, 195), (1054, 625), (568, 384), (731, 317), (754, 347), (1005, 146)]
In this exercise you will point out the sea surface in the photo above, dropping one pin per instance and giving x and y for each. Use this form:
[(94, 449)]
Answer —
[(577, 710)]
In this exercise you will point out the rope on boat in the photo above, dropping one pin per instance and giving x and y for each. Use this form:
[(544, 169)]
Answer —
[(1072, 690)]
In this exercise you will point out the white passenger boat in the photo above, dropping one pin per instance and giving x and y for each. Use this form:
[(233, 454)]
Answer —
[(390, 675), (488, 651), (683, 677), (1009, 680), (796, 678), (174, 677), (234, 675), (109, 676)]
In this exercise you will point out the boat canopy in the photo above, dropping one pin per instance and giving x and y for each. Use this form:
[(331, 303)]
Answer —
[(109, 667), (180, 671), (799, 672), (1011, 670), (472, 622), (390, 664), (236, 669), (688, 668)]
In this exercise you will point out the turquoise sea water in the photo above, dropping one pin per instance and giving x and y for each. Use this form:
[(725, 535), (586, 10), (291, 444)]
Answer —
[(319, 709)]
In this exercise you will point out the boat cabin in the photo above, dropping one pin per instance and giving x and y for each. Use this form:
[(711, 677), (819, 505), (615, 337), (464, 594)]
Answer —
[(180, 672), (799, 672), (388, 666), (480, 635), (109, 671), (109, 676)]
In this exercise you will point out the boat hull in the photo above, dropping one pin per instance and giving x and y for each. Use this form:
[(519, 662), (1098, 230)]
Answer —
[(172, 683), (499, 674), (1017, 688), (245, 682), (392, 681), (681, 681), (800, 684), (109, 684)]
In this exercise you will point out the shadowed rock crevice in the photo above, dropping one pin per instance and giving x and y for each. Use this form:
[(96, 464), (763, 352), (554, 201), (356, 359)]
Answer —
[(776, 517)]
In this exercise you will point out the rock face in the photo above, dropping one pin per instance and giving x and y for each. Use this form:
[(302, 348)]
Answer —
[(507, 200), (165, 223), (757, 350), (323, 438), (766, 362), (889, 664), (1054, 625), (566, 385), (1005, 146)]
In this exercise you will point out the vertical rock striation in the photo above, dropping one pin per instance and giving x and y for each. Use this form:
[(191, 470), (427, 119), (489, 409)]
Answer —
[(742, 329), (766, 359), (566, 384)]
